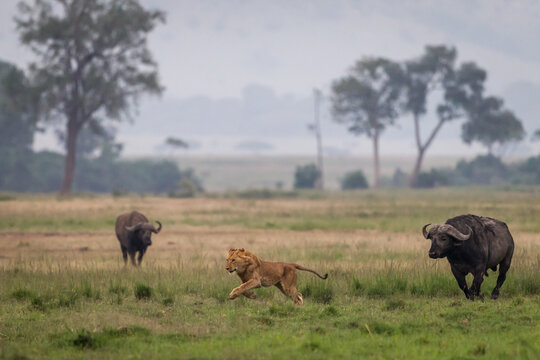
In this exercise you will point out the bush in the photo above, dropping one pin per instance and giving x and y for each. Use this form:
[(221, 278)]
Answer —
[(354, 180), (483, 170), (321, 293), (142, 291), (432, 179), (42, 172), (400, 179), (306, 176)]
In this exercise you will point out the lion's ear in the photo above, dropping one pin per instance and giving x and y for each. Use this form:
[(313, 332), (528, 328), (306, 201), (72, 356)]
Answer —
[(241, 249), (231, 250)]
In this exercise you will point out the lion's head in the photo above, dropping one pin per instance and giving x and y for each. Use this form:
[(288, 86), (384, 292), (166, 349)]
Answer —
[(239, 260)]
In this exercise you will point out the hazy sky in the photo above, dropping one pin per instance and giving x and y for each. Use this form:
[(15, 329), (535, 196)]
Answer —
[(240, 72)]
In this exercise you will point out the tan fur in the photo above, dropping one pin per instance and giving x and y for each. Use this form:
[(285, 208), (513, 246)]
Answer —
[(255, 273)]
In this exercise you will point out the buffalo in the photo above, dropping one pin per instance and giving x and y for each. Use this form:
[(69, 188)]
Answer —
[(134, 232), (472, 244)]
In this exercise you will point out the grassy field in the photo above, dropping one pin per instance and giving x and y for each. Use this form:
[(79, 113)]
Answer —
[(64, 292)]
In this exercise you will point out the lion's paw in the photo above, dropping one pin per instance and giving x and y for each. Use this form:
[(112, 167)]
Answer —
[(250, 295)]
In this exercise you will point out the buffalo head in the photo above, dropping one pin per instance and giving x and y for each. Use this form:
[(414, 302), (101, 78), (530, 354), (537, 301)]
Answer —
[(444, 238), (144, 231)]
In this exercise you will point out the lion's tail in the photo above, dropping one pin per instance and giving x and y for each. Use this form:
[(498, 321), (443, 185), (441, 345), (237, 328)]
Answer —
[(299, 267)]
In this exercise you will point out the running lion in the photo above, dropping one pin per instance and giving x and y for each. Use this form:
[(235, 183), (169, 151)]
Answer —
[(255, 273)]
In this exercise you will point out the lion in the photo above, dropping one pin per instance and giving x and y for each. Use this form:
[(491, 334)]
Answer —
[(255, 273)]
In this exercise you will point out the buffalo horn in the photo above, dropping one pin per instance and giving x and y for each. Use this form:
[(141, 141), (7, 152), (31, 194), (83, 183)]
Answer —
[(424, 231), (133, 227), (452, 231), (158, 229)]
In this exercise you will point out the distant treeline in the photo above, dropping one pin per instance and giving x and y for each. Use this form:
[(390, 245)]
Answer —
[(27, 171), (483, 170)]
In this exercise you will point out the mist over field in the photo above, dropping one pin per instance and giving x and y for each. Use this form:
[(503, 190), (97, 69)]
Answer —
[(244, 71)]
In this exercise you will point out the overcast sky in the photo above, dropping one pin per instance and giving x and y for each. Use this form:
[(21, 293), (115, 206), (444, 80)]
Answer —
[(242, 72)]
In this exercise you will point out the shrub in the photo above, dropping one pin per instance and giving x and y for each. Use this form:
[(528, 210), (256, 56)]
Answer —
[(22, 294), (321, 293), (85, 340), (483, 170), (432, 179), (306, 176), (143, 291), (38, 303), (357, 286), (354, 180)]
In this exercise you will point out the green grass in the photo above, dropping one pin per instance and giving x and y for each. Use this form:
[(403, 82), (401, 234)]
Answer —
[(177, 313), (379, 301)]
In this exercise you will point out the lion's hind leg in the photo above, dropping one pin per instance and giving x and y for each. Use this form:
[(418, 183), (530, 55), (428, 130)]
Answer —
[(287, 285)]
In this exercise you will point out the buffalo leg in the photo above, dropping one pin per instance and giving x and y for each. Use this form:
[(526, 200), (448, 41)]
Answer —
[(503, 268), (124, 254), (462, 282), (141, 254), (477, 283), (132, 257)]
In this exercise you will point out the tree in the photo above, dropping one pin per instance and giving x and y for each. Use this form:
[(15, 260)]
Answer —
[(93, 61), (306, 176), (176, 143), (91, 139), (489, 123), (461, 89), (536, 135), (366, 101), (315, 127), (19, 107), (425, 75), (354, 180)]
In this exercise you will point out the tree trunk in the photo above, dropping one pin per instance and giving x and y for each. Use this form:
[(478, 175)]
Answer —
[(417, 167), (422, 148), (71, 149), (376, 171), (319, 184)]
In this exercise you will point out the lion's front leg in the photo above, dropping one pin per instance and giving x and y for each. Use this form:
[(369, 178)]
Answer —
[(250, 295), (244, 288)]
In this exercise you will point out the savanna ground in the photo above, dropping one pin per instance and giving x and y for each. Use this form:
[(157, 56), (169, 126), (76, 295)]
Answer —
[(64, 292)]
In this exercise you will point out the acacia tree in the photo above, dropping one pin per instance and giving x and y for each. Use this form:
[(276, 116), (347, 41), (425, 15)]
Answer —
[(422, 76), (93, 61), (366, 101), (435, 71), (490, 123)]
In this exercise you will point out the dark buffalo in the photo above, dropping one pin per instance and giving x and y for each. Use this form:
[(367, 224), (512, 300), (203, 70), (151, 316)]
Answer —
[(135, 234), (472, 244)]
